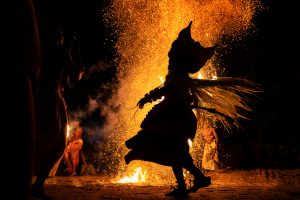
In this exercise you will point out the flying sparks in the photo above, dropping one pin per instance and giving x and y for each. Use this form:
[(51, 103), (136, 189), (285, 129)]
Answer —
[(145, 31)]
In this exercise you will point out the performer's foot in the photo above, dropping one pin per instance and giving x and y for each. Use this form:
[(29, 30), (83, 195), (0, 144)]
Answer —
[(68, 170), (177, 192), (73, 174), (200, 183)]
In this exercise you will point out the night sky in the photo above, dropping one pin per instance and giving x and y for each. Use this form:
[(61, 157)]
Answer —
[(270, 55)]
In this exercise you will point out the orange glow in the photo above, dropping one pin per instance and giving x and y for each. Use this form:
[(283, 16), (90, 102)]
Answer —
[(214, 77), (190, 142), (137, 177), (200, 76), (68, 131), (146, 30), (162, 80)]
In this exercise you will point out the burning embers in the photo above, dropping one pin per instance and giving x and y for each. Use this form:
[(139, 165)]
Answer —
[(145, 32), (138, 177)]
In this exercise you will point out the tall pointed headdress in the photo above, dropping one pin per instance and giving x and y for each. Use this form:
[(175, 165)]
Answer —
[(187, 55)]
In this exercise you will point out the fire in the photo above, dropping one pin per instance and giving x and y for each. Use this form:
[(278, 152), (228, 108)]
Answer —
[(162, 80), (200, 75), (137, 177), (70, 127), (68, 131), (190, 142)]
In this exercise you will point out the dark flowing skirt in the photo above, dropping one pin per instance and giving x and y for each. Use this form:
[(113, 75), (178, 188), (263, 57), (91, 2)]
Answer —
[(164, 135)]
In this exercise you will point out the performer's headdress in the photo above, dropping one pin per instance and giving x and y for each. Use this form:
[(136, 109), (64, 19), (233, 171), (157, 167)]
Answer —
[(187, 55)]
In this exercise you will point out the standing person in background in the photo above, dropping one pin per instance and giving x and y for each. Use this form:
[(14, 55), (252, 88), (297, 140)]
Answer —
[(210, 160)]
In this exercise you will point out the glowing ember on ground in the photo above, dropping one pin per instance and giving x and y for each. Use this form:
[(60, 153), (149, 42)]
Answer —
[(214, 77), (137, 177)]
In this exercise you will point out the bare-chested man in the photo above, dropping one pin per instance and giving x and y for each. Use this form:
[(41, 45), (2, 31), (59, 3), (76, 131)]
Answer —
[(210, 160)]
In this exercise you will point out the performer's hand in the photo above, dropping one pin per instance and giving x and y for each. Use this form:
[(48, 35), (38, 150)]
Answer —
[(141, 103)]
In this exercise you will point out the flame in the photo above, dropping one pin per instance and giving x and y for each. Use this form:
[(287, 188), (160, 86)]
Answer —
[(200, 75), (214, 77), (161, 78), (68, 131), (190, 142), (70, 127), (137, 177)]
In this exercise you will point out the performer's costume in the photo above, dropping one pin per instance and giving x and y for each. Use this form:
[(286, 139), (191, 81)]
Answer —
[(165, 131)]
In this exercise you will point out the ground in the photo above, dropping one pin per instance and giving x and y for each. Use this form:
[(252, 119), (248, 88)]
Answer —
[(226, 184)]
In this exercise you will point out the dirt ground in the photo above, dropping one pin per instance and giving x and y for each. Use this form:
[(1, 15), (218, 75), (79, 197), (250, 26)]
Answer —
[(226, 184)]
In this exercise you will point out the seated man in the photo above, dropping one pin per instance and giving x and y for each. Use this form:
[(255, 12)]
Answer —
[(71, 155)]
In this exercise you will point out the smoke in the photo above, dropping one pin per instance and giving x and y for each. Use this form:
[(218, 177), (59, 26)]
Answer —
[(95, 112)]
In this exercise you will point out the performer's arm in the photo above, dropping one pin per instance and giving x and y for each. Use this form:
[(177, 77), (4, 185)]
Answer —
[(151, 96)]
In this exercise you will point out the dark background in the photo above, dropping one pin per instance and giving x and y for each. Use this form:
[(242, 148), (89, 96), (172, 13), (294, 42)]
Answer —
[(271, 139)]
